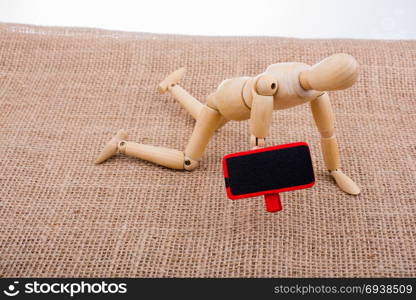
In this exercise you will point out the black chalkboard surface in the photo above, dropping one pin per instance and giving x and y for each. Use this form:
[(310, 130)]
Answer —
[(268, 170)]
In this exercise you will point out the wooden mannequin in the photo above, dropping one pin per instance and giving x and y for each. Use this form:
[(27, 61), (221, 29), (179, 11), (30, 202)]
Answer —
[(281, 86)]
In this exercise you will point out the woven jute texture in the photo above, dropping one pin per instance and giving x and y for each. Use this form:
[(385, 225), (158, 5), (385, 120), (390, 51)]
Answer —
[(65, 92)]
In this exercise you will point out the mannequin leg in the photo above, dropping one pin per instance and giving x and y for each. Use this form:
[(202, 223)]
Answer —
[(170, 84), (208, 120), (222, 123), (191, 104), (324, 119)]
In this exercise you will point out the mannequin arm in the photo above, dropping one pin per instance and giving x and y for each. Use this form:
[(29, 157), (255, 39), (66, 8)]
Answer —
[(324, 120), (260, 118)]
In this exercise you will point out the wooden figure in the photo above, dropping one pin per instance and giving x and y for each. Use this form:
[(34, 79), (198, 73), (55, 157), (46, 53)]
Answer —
[(281, 86)]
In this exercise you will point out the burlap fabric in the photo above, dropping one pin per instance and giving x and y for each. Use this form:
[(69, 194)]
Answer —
[(65, 92)]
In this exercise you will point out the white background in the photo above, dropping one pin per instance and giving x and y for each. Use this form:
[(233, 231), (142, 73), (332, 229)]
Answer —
[(374, 19)]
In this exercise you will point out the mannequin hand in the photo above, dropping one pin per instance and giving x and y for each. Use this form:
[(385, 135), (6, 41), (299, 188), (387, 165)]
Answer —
[(256, 143), (345, 183)]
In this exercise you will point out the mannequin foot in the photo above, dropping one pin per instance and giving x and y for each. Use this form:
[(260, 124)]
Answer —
[(172, 79), (111, 148), (345, 183)]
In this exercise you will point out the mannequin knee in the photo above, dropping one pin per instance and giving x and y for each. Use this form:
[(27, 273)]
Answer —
[(190, 164)]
